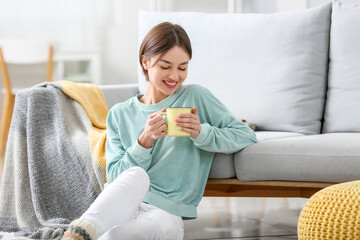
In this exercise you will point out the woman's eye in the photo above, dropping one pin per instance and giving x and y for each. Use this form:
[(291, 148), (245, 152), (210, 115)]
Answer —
[(182, 69), (164, 68)]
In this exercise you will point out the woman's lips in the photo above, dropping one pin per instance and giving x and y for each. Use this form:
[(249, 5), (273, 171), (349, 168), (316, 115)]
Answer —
[(170, 84)]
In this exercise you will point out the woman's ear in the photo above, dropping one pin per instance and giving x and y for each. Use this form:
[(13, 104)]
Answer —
[(144, 62)]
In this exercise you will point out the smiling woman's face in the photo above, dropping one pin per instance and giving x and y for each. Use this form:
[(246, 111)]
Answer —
[(168, 73)]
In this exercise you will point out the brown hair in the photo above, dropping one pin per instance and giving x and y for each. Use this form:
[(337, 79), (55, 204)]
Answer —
[(161, 39)]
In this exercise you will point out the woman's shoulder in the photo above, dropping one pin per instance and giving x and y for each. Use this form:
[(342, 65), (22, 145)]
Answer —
[(122, 106), (196, 88)]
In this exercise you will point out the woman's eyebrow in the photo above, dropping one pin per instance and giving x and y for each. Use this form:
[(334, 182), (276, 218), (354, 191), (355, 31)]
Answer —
[(165, 61)]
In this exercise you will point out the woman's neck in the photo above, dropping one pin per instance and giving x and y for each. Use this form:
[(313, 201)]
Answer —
[(152, 97)]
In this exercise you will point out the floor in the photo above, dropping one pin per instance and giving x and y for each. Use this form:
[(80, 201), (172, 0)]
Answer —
[(245, 219)]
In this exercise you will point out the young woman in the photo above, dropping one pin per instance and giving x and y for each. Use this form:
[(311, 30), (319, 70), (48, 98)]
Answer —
[(155, 180)]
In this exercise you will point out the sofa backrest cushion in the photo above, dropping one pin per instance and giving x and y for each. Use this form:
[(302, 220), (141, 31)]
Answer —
[(118, 93), (342, 111), (269, 69)]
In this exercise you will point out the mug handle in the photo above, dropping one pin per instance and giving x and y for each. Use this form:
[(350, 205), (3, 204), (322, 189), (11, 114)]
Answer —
[(164, 113)]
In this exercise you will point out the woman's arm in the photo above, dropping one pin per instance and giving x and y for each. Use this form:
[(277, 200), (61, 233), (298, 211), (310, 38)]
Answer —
[(139, 153), (220, 130), (118, 159), (228, 139)]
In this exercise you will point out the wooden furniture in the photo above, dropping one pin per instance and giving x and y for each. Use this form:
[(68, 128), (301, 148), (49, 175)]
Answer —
[(88, 60), (236, 188), (19, 52)]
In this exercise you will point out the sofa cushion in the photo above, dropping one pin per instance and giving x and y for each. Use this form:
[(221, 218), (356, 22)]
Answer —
[(342, 112), (223, 164), (331, 157), (267, 68), (118, 93), (267, 135)]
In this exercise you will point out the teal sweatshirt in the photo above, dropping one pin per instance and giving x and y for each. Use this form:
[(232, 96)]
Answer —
[(178, 167)]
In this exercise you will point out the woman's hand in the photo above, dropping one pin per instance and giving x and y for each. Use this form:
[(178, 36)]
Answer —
[(154, 129), (189, 122)]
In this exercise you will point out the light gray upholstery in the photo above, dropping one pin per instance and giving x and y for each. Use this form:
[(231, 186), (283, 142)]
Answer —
[(267, 135), (118, 93), (342, 113), (223, 164), (332, 157), (269, 69)]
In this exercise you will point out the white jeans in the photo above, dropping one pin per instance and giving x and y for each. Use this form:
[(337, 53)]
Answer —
[(119, 213)]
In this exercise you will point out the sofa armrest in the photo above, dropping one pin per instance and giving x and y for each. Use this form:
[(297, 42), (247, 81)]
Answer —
[(118, 93)]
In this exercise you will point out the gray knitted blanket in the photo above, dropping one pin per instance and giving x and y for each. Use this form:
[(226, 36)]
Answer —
[(50, 176)]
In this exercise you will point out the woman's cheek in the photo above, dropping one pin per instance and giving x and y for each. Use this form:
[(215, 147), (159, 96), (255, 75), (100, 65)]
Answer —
[(183, 76)]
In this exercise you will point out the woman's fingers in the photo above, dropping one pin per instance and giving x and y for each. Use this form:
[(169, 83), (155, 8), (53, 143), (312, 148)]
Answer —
[(155, 125), (190, 123), (155, 118), (187, 119), (187, 125), (187, 115), (194, 110)]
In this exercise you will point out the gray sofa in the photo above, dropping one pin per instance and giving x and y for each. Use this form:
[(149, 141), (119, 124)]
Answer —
[(295, 75)]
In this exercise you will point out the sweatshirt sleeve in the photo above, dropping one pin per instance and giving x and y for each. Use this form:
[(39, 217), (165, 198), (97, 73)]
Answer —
[(220, 130), (119, 159)]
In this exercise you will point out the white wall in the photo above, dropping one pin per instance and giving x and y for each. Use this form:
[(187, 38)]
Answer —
[(120, 43)]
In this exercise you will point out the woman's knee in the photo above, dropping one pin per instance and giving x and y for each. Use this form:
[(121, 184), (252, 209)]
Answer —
[(134, 178), (140, 173)]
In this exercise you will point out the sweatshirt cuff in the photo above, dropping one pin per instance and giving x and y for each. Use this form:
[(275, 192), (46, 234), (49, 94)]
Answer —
[(204, 133), (140, 151)]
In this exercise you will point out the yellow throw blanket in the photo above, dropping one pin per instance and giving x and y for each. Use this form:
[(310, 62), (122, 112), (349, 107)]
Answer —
[(93, 101)]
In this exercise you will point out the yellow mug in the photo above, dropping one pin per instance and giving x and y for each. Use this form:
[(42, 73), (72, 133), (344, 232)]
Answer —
[(172, 114)]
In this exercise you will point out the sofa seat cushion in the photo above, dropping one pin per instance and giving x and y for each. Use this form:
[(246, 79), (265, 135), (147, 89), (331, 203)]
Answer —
[(332, 157), (223, 164)]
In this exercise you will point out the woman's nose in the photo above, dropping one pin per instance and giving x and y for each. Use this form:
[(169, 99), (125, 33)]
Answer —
[(174, 75)]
